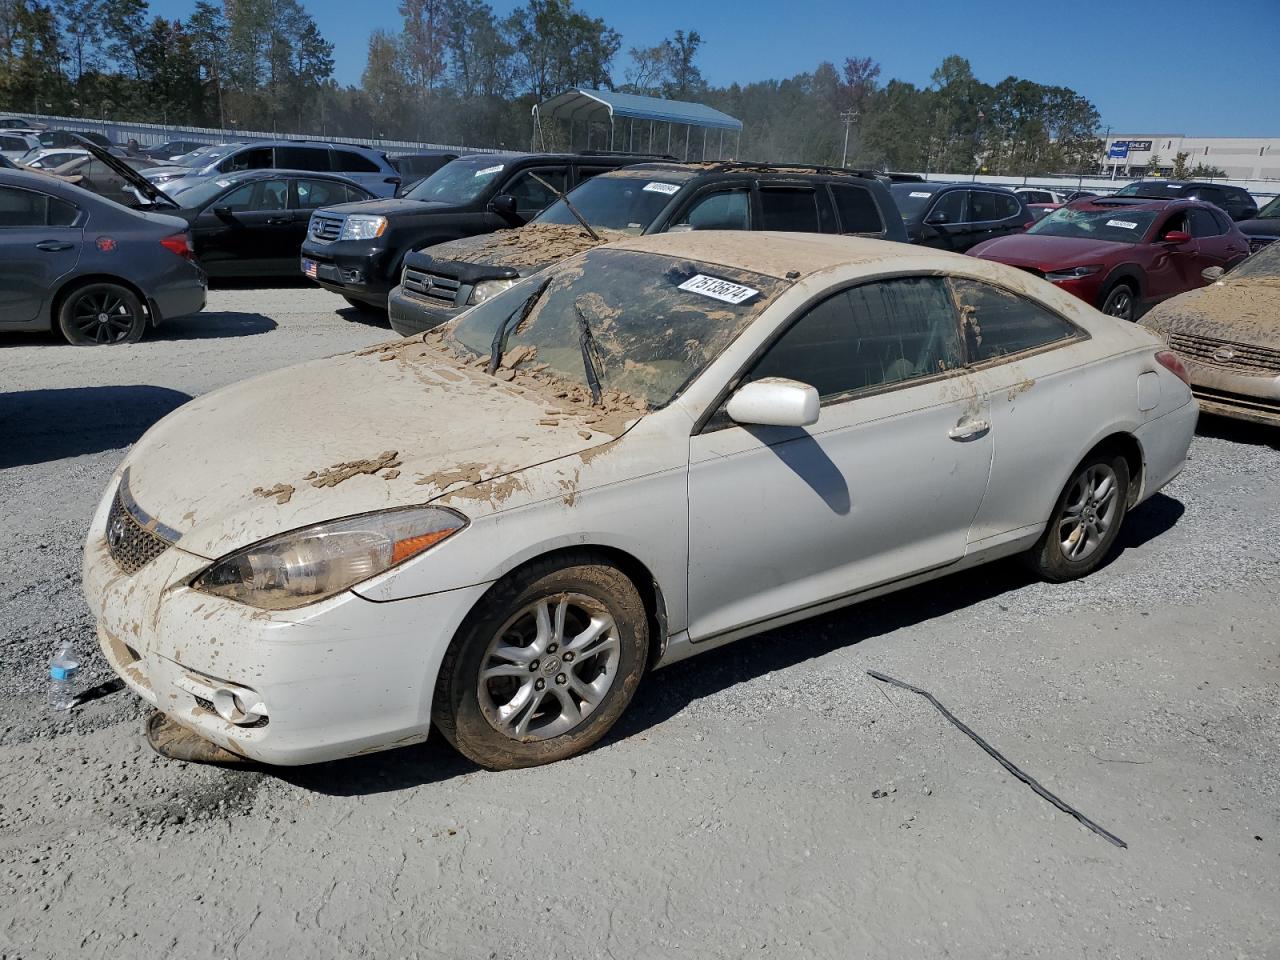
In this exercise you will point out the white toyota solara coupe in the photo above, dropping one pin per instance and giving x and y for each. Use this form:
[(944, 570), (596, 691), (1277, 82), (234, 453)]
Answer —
[(645, 452)]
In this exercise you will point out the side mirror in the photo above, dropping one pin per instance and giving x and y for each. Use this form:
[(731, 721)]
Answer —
[(223, 213), (774, 402), (504, 205), (1212, 274), (1177, 237), (937, 218)]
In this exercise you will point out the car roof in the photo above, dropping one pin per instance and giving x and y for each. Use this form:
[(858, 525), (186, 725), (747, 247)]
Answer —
[(1140, 203), (784, 255)]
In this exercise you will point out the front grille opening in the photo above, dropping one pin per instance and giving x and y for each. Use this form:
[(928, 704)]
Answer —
[(131, 545), (1239, 357), (430, 286)]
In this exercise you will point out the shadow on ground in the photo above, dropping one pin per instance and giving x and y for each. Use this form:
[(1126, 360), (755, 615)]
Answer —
[(212, 326), (41, 425), (1239, 431)]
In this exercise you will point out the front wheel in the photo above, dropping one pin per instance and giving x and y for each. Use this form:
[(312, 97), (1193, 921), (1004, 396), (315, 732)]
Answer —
[(544, 666), (1086, 520), (1120, 302), (102, 313)]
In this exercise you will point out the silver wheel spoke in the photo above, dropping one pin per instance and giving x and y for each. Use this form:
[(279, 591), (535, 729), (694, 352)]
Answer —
[(505, 670), (584, 641), (514, 654)]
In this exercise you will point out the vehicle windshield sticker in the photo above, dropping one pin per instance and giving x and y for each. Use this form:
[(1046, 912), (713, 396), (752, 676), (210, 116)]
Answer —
[(224, 183), (667, 188), (1127, 224), (718, 289), (488, 170)]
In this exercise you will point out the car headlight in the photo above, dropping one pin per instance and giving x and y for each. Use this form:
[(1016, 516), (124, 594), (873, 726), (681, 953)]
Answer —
[(1075, 273), (360, 226), (490, 288), (311, 564)]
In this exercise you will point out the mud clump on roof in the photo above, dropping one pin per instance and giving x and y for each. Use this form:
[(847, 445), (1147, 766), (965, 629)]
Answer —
[(333, 475)]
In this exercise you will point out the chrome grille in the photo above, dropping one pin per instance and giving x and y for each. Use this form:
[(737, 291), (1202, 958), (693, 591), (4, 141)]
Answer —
[(326, 228), (430, 286), (1241, 357), (131, 543)]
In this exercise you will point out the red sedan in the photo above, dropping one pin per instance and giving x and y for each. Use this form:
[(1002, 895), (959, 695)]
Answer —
[(1124, 255)]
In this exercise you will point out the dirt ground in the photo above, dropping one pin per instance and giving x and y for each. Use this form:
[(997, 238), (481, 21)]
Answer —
[(768, 799)]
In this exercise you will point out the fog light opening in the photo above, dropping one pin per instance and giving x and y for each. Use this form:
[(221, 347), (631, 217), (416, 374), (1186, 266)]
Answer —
[(241, 707)]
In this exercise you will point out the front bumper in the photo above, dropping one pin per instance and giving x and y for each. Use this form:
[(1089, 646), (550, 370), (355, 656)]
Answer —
[(336, 678), (409, 314), (1230, 394), (356, 270)]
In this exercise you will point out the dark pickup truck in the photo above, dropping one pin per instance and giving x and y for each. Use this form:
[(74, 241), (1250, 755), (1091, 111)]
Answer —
[(441, 282), (357, 249)]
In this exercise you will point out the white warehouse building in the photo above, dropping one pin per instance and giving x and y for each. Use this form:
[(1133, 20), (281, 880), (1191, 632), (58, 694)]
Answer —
[(1240, 158)]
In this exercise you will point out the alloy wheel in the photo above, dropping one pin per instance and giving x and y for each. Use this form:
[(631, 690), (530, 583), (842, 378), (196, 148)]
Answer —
[(1119, 304), (1090, 510), (102, 316)]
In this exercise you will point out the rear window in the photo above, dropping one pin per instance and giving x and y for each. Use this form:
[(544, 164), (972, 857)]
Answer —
[(986, 205), (348, 161), (857, 208)]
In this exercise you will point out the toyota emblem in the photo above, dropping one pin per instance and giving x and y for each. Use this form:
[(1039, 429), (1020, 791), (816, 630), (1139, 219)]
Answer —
[(115, 532), (1224, 353)]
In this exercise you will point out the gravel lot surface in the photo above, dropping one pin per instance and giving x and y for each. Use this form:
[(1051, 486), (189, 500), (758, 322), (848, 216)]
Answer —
[(768, 799)]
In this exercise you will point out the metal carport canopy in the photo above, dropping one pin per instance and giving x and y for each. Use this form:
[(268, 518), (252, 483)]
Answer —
[(584, 104)]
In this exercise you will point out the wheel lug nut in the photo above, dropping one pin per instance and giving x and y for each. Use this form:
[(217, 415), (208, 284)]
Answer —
[(539, 684), (553, 648), (560, 678), (533, 667), (568, 657)]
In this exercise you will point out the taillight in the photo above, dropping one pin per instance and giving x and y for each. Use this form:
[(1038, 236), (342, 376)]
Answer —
[(180, 244), (1169, 360)]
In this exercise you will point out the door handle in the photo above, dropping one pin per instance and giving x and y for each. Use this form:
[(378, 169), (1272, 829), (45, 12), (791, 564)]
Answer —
[(968, 429), (54, 246), (279, 220)]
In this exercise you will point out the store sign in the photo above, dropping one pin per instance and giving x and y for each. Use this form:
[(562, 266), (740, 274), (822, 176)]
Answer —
[(1137, 146)]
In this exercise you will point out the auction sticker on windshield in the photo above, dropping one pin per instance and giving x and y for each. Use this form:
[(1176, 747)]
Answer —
[(488, 170), (921, 194), (667, 188), (1126, 224), (718, 289)]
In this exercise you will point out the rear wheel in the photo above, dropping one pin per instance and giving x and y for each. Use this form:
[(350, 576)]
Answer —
[(1085, 521), (1120, 302), (544, 666), (102, 313)]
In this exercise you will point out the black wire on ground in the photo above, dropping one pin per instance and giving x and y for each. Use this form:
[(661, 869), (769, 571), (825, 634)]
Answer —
[(1029, 781)]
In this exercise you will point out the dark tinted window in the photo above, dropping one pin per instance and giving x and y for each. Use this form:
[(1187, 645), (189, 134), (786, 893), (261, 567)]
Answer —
[(259, 158), (351, 162), (302, 158), (12, 143), (61, 213), (257, 196), (723, 210), (355, 195), (998, 323), (531, 196), (869, 336), (22, 208), (320, 193), (858, 210), (1205, 224), (791, 209), (986, 205), (952, 205), (1208, 194)]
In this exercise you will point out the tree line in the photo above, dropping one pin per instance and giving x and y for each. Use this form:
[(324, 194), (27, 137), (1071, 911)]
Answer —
[(456, 72)]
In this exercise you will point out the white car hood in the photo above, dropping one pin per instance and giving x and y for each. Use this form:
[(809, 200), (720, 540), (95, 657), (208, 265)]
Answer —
[(392, 426)]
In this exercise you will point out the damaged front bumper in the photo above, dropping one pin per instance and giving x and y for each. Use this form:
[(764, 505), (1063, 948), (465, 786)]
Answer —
[(336, 678)]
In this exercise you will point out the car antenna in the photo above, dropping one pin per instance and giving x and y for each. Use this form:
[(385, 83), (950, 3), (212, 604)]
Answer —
[(568, 203)]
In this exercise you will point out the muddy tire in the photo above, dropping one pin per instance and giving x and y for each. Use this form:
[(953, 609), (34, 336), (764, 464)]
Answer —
[(1086, 519), (100, 314), (544, 665), (1120, 302)]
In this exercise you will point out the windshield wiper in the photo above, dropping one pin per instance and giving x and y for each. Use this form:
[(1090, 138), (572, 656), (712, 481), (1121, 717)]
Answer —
[(519, 315), (568, 203), (587, 341)]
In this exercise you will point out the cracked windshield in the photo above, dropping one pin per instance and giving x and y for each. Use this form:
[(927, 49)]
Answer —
[(639, 323)]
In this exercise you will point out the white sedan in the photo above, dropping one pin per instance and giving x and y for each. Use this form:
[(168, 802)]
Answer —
[(645, 452)]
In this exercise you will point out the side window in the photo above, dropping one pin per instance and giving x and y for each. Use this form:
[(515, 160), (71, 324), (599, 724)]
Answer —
[(1224, 221), (349, 161), (586, 173), (1208, 194), (869, 336), (319, 193), (302, 158), (858, 210), (951, 205), (792, 209), (998, 323), (531, 196), (1176, 221), (355, 195), (989, 206), (261, 195), (258, 158), (61, 213), (722, 210), (1204, 224), (22, 208)]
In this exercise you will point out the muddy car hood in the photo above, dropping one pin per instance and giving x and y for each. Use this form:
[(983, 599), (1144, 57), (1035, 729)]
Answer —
[(1048, 253), (526, 249), (341, 436), (1241, 311), (393, 207)]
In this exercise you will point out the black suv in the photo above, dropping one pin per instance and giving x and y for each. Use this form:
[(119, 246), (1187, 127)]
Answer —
[(1237, 201), (1264, 228), (957, 216), (441, 282), (357, 249)]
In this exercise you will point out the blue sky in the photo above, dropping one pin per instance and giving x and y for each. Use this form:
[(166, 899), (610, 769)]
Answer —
[(1177, 66)]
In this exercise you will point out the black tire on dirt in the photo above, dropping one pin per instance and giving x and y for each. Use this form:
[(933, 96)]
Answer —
[(575, 594), (1086, 519), (1121, 302), (102, 314)]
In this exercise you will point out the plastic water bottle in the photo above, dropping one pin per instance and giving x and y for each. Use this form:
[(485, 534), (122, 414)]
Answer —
[(62, 678)]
